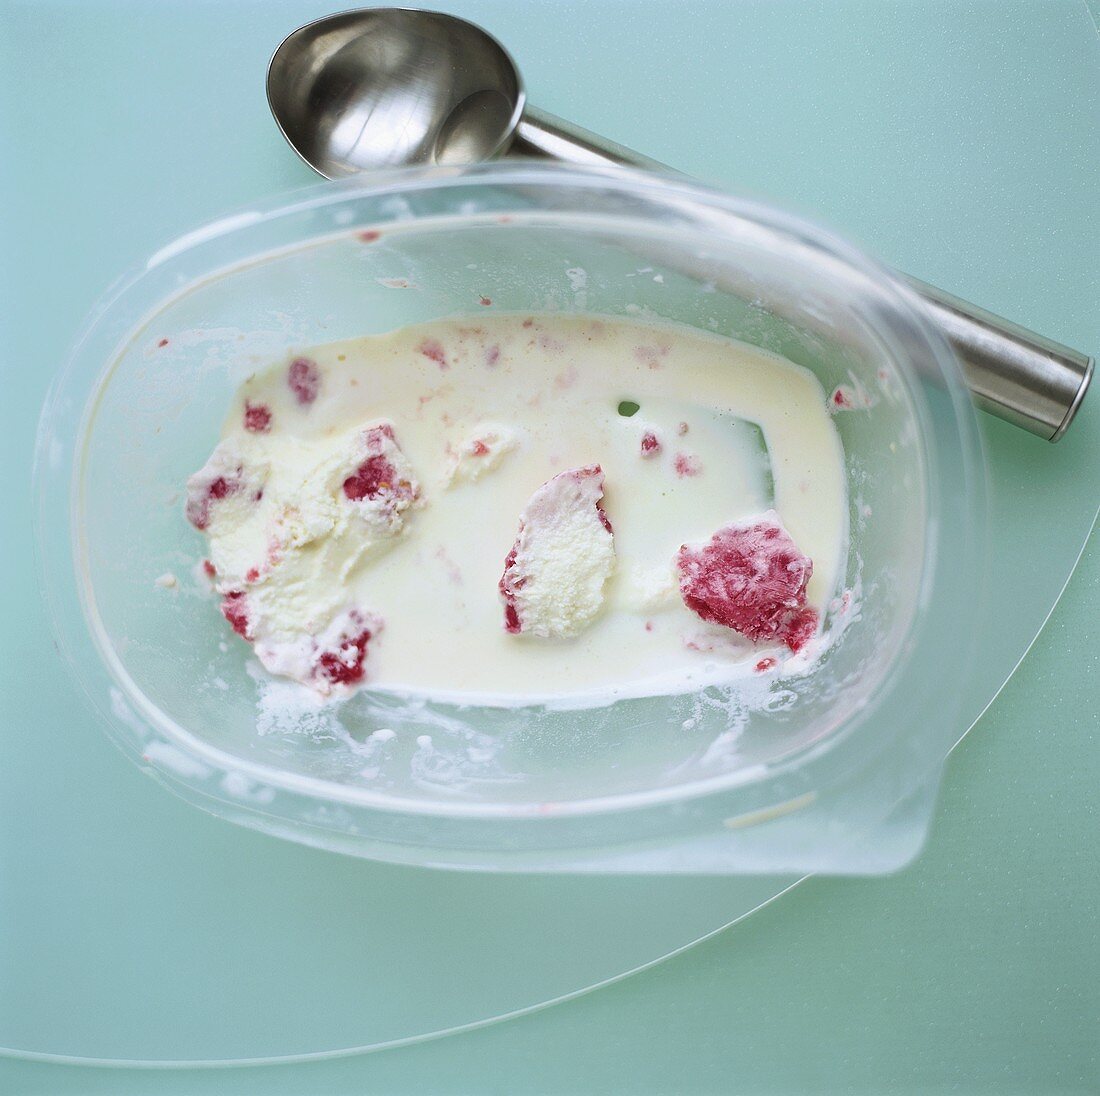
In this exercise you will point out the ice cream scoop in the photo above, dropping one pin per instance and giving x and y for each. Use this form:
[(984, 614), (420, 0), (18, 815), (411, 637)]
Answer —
[(387, 87)]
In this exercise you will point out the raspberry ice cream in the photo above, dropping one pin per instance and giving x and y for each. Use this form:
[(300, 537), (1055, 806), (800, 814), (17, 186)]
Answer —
[(380, 485), (356, 512), (288, 533), (750, 578), (331, 658), (555, 574), (225, 490)]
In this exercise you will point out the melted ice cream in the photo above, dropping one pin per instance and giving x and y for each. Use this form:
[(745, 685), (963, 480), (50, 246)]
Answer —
[(365, 499)]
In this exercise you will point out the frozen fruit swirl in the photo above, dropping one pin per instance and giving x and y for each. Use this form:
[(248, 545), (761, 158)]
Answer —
[(751, 578), (554, 575)]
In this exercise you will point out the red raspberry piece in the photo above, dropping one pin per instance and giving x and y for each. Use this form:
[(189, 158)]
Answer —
[(751, 578), (372, 478), (800, 629), (221, 488), (235, 609), (376, 477), (340, 653), (510, 583), (433, 349), (304, 378), (651, 444), (257, 417), (198, 505), (344, 666)]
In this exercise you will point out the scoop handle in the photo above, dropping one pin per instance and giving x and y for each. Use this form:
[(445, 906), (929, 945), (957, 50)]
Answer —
[(1017, 375)]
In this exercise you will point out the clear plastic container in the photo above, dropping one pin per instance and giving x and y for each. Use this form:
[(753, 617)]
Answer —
[(832, 772)]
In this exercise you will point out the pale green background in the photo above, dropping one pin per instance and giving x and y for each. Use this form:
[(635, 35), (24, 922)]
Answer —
[(957, 141)]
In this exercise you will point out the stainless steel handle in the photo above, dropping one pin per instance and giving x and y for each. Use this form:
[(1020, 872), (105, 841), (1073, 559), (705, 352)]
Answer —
[(542, 134), (1015, 374)]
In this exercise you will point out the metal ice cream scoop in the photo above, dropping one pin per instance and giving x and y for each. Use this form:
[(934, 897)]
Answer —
[(387, 87)]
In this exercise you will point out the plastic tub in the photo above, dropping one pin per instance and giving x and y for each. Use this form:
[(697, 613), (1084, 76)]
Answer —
[(829, 772)]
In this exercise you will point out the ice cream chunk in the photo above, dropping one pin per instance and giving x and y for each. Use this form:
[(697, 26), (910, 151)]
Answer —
[(228, 500), (650, 445), (554, 576), (329, 660), (750, 578), (224, 492), (288, 533), (481, 452), (380, 485)]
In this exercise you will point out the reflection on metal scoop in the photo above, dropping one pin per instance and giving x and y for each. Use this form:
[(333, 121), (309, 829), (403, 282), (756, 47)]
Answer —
[(387, 87)]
